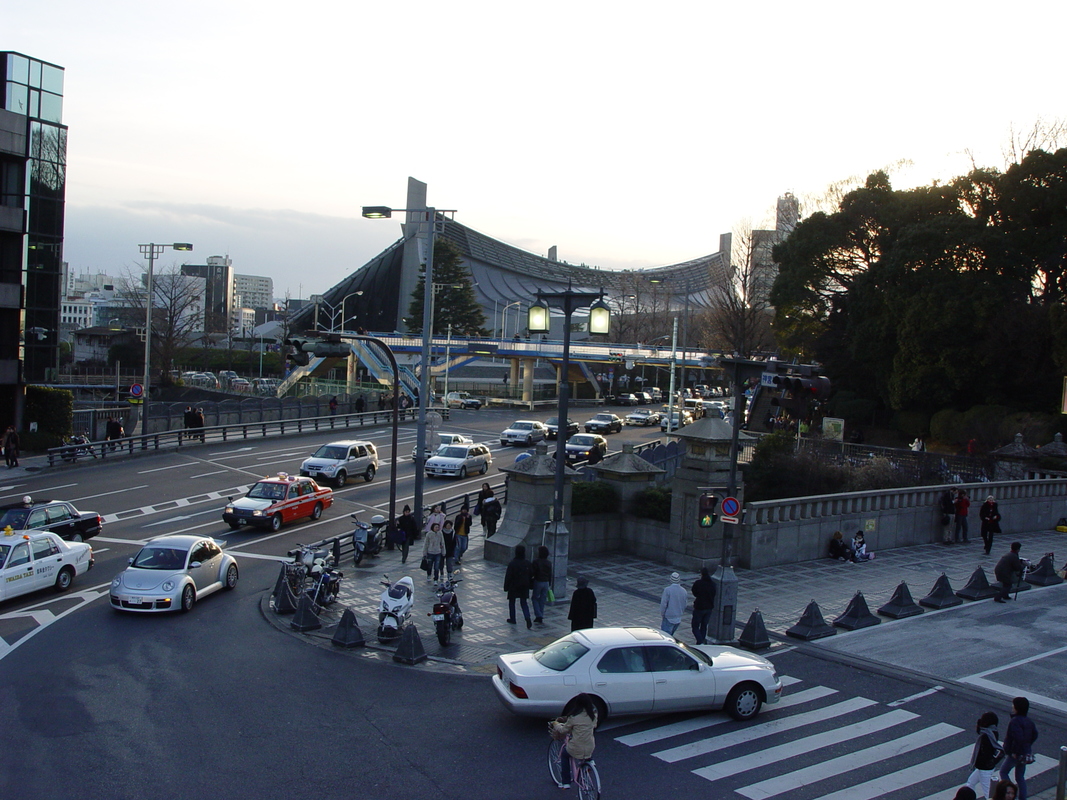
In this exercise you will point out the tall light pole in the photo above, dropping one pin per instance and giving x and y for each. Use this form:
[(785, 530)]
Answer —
[(344, 299), (504, 319), (152, 251), (685, 321), (429, 215), (539, 321)]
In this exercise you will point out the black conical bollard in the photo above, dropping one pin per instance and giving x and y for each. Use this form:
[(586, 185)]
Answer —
[(811, 625), (941, 596), (901, 604), (278, 584), (857, 615), (348, 633), (284, 603), (305, 618), (410, 650), (977, 587), (754, 636), (1045, 574)]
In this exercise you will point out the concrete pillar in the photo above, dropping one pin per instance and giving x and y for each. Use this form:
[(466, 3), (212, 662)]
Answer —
[(527, 380), (721, 630), (513, 379)]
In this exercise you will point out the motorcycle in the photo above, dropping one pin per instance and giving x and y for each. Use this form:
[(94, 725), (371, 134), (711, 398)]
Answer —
[(82, 445), (446, 614), (325, 583), (394, 609), (368, 540)]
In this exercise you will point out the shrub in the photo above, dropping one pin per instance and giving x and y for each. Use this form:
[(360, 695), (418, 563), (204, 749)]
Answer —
[(593, 497), (653, 503)]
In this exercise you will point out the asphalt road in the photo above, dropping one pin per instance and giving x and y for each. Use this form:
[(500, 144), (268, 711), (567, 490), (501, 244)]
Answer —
[(97, 704)]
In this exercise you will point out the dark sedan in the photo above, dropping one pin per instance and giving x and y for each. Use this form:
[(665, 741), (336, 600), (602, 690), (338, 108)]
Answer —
[(604, 422), (589, 447), (552, 423), (57, 516)]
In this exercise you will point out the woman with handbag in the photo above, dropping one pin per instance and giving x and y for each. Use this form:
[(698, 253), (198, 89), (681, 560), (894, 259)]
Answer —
[(433, 552), (987, 753)]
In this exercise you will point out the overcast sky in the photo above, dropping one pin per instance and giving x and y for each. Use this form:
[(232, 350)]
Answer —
[(627, 134)]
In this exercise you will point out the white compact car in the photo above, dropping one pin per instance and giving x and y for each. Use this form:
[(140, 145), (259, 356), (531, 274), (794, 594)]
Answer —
[(460, 460), (635, 671), (524, 431), (32, 560), (443, 439), (338, 461), (172, 573)]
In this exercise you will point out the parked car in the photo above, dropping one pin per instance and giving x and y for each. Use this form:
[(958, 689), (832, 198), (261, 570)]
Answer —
[(677, 420), (57, 516), (463, 400), (552, 424), (240, 385), (581, 446), (644, 417), (657, 394), (627, 400), (460, 460), (443, 440), (266, 386), (635, 671), (170, 573), (38, 560), (604, 422), (272, 502), (643, 398), (695, 406), (524, 431), (338, 461), (227, 376)]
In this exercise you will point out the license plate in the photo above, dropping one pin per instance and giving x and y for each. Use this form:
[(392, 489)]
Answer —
[(136, 601), (438, 617)]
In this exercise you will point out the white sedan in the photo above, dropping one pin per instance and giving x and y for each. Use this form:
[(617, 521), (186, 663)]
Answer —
[(31, 560), (172, 573), (635, 671), (460, 460)]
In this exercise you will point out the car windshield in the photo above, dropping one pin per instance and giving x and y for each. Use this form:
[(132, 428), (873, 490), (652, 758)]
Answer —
[(522, 426), (267, 491), (603, 417), (699, 655), (584, 441), (561, 654), (330, 451), (641, 412), (15, 517), (158, 557), (552, 421), (452, 452)]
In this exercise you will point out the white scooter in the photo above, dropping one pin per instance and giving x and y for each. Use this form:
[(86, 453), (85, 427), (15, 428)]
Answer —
[(394, 610)]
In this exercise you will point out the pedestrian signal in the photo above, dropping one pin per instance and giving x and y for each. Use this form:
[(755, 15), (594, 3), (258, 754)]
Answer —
[(708, 504)]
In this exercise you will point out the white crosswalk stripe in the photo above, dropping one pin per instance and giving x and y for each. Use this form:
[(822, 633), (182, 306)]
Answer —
[(887, 742)]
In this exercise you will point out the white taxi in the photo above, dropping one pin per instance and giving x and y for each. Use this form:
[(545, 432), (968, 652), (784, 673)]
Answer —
[(32, 560)]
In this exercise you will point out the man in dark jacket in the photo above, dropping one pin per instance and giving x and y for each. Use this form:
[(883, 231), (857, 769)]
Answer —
[(408, 528), (517, 582), (1009, 566), (703, 603), (1018, 743)]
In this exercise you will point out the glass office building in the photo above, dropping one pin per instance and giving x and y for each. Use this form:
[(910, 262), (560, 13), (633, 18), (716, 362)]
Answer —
[(33, 163)]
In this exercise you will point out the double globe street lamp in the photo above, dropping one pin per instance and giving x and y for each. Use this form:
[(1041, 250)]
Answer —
[(539, 320)]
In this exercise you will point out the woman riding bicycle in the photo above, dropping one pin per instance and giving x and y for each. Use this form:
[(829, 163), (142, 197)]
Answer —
[(578, 722)]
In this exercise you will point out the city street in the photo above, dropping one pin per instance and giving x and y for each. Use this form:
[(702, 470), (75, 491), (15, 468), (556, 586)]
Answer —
[(104, 705)]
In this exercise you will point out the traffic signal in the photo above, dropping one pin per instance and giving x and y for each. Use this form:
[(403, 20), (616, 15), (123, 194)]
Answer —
[(708, 504), (300, 356), (330, 347)]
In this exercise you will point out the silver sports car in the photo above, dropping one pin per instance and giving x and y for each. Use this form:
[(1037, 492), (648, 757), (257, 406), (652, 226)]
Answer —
[(173, 572)]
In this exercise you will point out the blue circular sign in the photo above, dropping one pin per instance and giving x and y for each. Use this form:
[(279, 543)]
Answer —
[(136, 390), (730, 507)]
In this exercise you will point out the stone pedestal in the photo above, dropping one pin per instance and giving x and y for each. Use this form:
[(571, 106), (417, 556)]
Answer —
[(721, 630), (628, 473)]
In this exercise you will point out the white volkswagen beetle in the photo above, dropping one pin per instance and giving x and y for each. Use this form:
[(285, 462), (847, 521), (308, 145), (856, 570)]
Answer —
[(172, 573), (635, 671)]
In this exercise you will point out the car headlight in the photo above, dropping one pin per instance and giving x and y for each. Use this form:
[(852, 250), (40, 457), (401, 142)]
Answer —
[(227, 510), (329, 469), (116, 582), (168, 585), (257, 513)]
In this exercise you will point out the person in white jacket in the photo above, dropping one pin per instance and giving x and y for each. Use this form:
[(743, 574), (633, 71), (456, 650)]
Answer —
[(672, 605)]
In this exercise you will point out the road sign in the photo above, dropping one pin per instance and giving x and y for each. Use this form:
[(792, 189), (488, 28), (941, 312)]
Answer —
[(137, 390), (728, 520), (730, 507)]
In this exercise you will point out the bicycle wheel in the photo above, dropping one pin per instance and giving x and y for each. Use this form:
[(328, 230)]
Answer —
[(588, 782), (555, 769)]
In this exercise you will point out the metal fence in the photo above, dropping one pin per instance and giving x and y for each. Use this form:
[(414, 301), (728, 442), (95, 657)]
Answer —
[(920, 468)]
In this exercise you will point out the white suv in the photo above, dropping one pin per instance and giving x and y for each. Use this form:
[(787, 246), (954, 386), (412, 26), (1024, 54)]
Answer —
[(337, 461)]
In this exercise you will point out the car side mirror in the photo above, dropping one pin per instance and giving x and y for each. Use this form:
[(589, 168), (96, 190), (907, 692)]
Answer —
[(230, 498), (129, 560), (699, 667)]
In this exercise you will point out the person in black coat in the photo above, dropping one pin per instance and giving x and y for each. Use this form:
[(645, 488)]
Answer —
[(1007, 570), (703, 605), (990, 516), (517, 582), (409, 531), (1018, 744), (583, 606)]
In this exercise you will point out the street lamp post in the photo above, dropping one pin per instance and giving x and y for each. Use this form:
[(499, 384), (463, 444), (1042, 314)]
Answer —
[(152, 251), (430, 216), (540, 322), (504, 319)]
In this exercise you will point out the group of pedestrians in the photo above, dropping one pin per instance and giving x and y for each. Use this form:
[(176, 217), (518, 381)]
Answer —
[(674, 599), (852, 553), (955, 508), (11, 446), (1012, 756), (194, 421), (526, 580)]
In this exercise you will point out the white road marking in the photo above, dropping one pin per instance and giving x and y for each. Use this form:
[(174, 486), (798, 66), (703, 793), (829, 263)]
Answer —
[(105, 494), (86, 596), (279, 455), (1041, 764), (172, 466), (909, 698), (41, 492), (183, 517), (181, 502), (205, 474), (226, 453)]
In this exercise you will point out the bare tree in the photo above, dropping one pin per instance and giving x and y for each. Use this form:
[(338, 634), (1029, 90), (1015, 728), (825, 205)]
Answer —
[(740, 321), (177, 310), (1043, 135)]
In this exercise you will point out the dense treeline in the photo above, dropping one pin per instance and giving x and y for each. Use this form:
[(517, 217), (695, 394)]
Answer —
[(947, 296)]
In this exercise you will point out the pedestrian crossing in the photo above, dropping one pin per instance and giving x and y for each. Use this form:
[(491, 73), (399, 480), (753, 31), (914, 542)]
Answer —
[(816, 743)]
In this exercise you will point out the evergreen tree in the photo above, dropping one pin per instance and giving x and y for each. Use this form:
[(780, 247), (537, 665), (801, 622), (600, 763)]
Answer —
[(455, 303)]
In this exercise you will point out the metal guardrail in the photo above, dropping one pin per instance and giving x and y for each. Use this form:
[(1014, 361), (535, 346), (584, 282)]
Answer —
[(165, 440)]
